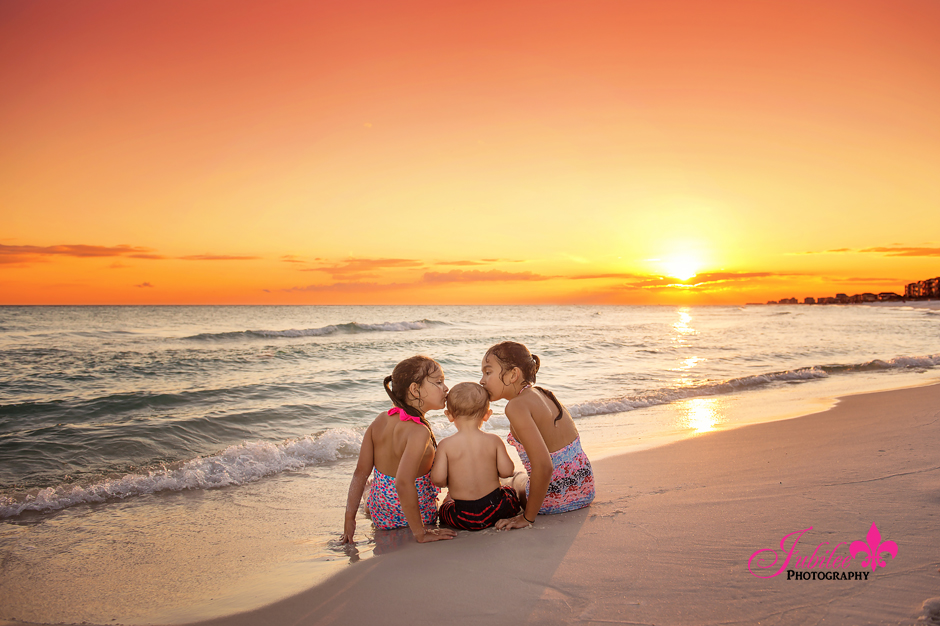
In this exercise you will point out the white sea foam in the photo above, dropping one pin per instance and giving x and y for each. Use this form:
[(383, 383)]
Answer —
[(914, 361), (663, 396), (236, 465)]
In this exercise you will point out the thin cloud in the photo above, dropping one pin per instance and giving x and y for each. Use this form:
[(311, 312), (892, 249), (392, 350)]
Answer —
[(352, 269), (20, 254), (721, 277), (23, 254), (466, 276), (705, 279), (453, 276), (866, 280), (833, 251), (345, 287), (619, 275), (904, 251), (480, 262), (144, 285), (892, 250), (217, 257)]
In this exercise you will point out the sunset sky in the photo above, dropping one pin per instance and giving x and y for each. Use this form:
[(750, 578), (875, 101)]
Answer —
[(279, 152)]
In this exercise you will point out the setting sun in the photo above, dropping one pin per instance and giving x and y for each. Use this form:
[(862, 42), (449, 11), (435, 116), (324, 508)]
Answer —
[(683, 269)]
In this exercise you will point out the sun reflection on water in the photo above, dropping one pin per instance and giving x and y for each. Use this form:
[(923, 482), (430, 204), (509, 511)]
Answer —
[(700, 414), (683, 326)]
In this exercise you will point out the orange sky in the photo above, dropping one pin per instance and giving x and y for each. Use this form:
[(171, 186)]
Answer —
[(466, 152)]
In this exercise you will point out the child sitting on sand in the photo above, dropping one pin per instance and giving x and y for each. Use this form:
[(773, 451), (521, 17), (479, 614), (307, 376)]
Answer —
[(542, 431), (470, 464), (398, 449)]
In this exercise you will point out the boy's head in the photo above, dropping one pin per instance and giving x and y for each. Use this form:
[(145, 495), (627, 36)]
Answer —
[(468, 400)]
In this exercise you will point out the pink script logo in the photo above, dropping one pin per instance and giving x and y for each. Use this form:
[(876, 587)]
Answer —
[(823, 557)]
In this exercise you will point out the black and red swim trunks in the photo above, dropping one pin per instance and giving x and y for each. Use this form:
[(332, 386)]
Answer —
[(483, 513)]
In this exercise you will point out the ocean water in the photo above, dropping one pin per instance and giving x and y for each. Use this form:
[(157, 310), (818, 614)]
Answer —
[(109, 403), (160, 465)]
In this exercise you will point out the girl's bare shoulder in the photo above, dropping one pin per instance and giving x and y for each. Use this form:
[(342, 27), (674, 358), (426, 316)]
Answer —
[(522, 403), (380, 420)]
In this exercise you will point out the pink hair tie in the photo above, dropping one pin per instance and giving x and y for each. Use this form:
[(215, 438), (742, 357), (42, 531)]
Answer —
[(403, 416)]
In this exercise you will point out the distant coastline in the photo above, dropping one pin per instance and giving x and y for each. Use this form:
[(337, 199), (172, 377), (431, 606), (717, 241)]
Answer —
[(922, 290)]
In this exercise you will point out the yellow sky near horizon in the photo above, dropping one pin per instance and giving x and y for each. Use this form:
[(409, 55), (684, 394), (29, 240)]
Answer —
[(309, 152)]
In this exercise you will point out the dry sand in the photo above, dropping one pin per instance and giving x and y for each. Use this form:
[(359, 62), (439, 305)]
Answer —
[(669, 537)]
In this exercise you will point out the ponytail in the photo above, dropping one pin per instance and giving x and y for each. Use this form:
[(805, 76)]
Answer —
[(413, 370)]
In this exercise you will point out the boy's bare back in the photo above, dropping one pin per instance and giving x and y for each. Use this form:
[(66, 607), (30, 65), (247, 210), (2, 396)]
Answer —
[(470, 463)]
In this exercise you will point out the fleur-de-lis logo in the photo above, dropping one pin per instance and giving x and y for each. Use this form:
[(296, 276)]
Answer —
[(874, 549)]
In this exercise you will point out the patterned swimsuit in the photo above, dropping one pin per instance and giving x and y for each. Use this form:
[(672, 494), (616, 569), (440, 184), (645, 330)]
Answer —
[(385, 507), (572, 484)]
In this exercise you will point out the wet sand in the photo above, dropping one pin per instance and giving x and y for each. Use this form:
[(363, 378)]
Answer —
[(669, 538), (670, 535)]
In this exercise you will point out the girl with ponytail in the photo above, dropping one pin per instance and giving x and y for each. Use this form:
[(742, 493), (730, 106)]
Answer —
[(560, 477), (398, 449)]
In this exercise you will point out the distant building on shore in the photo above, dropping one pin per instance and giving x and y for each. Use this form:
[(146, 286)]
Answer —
[(889, 296), (922, 290)]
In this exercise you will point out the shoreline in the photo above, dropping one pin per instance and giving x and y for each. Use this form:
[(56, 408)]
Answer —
[(668, 539), (625, 481)]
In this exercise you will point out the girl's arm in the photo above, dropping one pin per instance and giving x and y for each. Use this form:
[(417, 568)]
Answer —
[(357, 485), (415, 448), (439, 469), (504, 464), (527, 433)]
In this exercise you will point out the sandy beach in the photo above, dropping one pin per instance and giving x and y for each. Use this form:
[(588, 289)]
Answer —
[(670, 535)]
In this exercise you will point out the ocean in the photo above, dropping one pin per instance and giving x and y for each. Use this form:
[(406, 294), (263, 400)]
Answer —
[(126, 421)]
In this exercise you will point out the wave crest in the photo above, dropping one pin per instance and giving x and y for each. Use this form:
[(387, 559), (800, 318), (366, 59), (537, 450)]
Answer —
[(664, 396), (236, 465), (332, 329)]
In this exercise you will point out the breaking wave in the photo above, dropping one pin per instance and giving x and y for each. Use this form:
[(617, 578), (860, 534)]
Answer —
[(236, 465), (664, 396)]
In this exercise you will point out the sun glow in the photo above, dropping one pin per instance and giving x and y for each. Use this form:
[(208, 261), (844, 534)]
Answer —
[(681, 268)]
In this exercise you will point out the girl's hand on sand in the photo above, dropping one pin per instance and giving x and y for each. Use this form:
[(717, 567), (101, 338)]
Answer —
[(509, 523), (348, 533), (436, 534)]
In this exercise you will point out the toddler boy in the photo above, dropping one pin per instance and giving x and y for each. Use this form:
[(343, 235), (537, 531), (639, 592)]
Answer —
[(470, 464)]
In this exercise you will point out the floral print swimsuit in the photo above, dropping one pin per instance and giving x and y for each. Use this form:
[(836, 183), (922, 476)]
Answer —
[(385, 507), (572, 483)]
